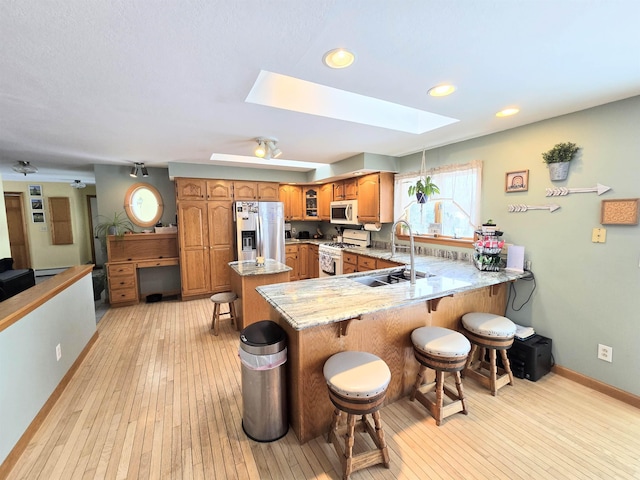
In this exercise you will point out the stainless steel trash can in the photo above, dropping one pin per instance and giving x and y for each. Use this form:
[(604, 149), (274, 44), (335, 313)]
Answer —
[(263, 354)]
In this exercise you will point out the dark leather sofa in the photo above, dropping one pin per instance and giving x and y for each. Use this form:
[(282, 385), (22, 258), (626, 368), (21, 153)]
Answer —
[(13, 281)]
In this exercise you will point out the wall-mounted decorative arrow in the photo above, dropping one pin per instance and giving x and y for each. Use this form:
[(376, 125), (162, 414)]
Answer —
[(524, 208), (562, 191)]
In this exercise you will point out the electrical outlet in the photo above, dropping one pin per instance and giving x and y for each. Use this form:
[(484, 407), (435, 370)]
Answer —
[(605, 353), (58, 352), (599, 235)]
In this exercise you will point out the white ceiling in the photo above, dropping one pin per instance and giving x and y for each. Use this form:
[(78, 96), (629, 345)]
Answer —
[(157, 81)]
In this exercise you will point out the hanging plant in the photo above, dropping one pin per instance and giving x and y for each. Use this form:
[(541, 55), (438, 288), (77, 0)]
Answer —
[(424, 187)]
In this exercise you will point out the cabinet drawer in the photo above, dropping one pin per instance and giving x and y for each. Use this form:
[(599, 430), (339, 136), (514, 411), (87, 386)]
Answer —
[(161, 262), (291, 249), (351, 258), (122, 281), (366, 263), (120, 269), (123, 295)]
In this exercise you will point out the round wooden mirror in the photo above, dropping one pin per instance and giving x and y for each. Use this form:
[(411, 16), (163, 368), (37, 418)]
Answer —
[(143, 204)]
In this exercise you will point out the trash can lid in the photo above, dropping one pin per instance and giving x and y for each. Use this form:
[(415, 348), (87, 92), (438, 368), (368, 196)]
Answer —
[(262, 334)]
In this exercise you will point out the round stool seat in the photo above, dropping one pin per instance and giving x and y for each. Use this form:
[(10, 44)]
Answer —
[(488, 325), (356, 374), (440, 342), (224, 297)]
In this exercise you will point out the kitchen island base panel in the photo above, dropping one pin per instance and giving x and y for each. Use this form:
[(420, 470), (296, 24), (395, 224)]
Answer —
[(251, 307), (386, 334)]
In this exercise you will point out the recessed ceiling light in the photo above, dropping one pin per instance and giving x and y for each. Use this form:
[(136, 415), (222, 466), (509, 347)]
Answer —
[(442, 90), (507, 112), (338, 58)]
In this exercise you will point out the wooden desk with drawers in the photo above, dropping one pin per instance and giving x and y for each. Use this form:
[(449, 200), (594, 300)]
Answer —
[(128, 253)]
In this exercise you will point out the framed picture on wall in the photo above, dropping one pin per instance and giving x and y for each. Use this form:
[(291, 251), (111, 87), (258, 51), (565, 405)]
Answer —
[(35, 190), (38, 217), (36, 204), (517, 181)]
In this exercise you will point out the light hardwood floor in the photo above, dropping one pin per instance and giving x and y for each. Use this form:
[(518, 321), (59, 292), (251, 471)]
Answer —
[(159, 397)]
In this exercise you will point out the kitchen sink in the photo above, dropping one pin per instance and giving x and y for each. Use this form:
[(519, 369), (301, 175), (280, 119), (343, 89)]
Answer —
[(390, 278)]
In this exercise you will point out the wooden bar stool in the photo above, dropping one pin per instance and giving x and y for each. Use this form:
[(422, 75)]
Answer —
[(490, 333), (444, 351), (357, 384), (218, 299)]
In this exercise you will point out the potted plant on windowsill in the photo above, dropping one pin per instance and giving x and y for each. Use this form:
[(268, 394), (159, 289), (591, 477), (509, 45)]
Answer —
[(558, 158), (423, 189)]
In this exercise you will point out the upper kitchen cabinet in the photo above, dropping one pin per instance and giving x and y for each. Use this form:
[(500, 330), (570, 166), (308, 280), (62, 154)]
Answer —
[(258, 191), (291, 196), (191, 189), (310, 199), (325, 197), (375, 198), (346, 189), (219, 190)]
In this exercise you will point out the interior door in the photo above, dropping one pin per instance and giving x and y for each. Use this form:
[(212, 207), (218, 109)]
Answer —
[(18, 238)]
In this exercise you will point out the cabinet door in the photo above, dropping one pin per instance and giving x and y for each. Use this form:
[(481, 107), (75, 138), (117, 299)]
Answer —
[(366, 263), (245, 190), (338, 191), (314, 261), (220, 219), (351, 189), (291, 259), (191, 189), (310, 201), (268, 191), (219, 190), (194, 248), (325, 197), (291, 196), (368, 198), (303, 261), (349, 263)]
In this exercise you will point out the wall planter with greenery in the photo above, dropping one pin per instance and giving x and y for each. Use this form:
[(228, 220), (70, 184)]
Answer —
[(558, 158)]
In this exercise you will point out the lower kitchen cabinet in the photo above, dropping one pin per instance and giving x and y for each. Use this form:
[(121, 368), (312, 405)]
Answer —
[(349, 263), (291, 260), (303, 261), (314, 261)]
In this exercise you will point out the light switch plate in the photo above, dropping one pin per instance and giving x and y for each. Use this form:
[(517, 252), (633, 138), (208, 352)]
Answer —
[(599, 235)]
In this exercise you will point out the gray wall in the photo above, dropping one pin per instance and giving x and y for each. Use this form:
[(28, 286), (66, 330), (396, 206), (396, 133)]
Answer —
[(587, 293), (29, 372)]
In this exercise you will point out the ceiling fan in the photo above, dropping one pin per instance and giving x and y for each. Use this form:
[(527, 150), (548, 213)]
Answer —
[(24, 168)]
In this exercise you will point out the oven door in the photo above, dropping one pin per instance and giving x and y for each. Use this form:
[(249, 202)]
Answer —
[(330, 263)]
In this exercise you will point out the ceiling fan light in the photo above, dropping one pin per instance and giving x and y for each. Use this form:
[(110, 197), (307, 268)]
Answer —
[(78, 184), (24, 168)]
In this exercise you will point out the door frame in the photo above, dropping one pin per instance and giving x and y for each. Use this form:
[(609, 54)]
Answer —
[(25, 232)]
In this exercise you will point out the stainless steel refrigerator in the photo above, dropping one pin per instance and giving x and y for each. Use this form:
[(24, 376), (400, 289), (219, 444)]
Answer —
[(259, 230)]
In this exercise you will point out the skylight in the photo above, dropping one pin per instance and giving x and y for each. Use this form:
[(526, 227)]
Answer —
[(289, 93)]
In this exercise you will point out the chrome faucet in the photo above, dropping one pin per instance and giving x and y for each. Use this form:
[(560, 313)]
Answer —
[(411, 248)]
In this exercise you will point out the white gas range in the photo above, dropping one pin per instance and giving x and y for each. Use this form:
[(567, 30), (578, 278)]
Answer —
[(331, 253)]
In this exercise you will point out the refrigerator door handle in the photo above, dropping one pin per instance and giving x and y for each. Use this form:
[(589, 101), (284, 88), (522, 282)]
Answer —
[(259, 239)]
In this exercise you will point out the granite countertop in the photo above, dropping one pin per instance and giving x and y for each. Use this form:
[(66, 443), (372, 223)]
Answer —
[(309, 303), (246, 268)]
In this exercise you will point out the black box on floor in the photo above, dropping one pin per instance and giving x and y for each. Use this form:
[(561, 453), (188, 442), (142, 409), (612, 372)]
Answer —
[(530, 358)]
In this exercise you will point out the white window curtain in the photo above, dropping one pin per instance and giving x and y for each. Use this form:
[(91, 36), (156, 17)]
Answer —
[(455, 211)]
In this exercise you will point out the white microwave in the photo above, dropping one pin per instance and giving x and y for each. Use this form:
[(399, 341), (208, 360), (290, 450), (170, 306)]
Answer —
[(345, 212)]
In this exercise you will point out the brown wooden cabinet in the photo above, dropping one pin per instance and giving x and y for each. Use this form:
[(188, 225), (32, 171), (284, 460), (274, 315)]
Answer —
[(205, 229), (291, 260), (375, 198), (366, 263), (349, 263), (325, 197), (314, 261), (346, 189), (191, 189), (291, 197), (303, 261), (387, 263), (258, 191), (310, 198), (126, 254)]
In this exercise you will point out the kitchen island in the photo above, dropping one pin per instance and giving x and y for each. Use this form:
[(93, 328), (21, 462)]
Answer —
[(245, 277), (329, 315)]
